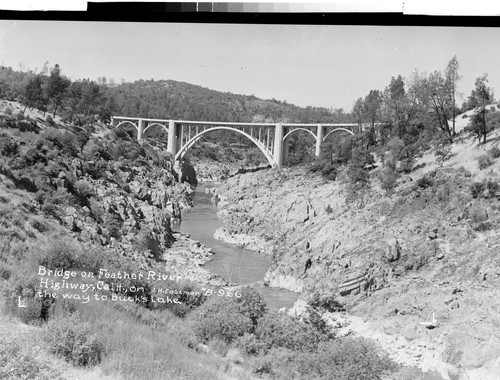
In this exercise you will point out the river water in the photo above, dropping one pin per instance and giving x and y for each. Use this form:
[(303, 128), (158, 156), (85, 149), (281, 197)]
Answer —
[(238, 265)]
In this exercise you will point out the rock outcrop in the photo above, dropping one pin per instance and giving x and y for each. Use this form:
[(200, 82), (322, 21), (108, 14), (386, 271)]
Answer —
[(398, 260)]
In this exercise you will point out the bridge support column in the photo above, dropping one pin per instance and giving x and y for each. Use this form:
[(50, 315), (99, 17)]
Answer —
[(278, 145), (180, 136), (140, 129), (172, 143), (319, 140)]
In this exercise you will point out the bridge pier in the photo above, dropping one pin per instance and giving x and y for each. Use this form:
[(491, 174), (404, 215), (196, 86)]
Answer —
[(319, 140), (140, 129), (278, 145), (172, 142), (285, 150)]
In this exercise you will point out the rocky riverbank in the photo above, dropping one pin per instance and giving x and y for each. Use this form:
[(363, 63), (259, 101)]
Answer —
[(397, 263)]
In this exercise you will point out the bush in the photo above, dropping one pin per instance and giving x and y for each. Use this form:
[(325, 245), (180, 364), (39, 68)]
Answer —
[(443, 152), (190, 297), (424, 182), (328, 303), (18, 363), (494, 152), (24, 285), (63, 140), (346, 359), (484, 161), (72, 339), (219, 318), (316, 166), (479, 217), (251, 304), (388, 178), (60, 253), (329, 172), (492, 188), (114, 225), (443, 191), (476, 189), (341, 359), (276, 330)]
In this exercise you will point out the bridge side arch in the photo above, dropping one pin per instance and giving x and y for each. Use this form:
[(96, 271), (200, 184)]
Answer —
[(336, 130), (159, 124), (299, 129), (183, 150), (126, 121)]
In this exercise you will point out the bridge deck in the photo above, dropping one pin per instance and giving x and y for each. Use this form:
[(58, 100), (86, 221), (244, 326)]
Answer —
[(228, 123)]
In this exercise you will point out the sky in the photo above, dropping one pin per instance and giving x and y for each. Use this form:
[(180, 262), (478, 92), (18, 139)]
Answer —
[(317, 65)]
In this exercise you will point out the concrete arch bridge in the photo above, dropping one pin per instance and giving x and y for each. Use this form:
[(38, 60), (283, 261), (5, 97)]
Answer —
[(270, 138)]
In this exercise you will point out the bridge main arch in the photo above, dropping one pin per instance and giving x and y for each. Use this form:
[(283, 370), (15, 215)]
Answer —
[(184, 149)]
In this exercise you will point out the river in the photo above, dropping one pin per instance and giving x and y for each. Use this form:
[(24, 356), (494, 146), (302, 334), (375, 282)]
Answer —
[(238, 265)]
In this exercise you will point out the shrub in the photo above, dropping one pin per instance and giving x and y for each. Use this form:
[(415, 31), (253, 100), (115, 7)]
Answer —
[(443, 191), (329, 172), (492, 188), (494, 152), (315, 320), (219, 318), (72, 339), (278, 362), (24, 285), (443, 152), (7, 111), (276, 330), (60, 253), (83, 188), (424, 182), (478, 216), (190, 298), (114, 225), (251, 304), (484, 161), (388, 178), (316, 166), (50, 120), (346, 359), (97, 210), (328, 303), (18, 363), (476, 189)]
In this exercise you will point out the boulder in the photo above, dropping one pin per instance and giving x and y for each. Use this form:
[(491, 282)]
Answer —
[(392, 250)]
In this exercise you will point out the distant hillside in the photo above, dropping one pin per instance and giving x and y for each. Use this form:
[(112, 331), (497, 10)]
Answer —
[(55, 93), (180, 100)]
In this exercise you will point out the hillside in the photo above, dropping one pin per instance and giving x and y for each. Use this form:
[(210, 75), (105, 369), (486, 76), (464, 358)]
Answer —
[(429, 249), (165, 99)]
